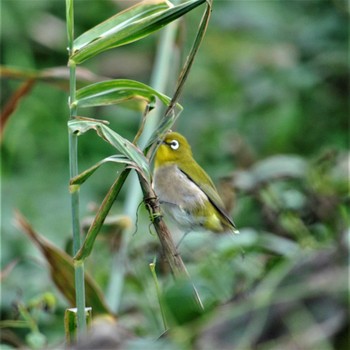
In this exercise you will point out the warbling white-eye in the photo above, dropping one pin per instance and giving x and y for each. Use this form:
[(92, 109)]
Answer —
[(185, 191)]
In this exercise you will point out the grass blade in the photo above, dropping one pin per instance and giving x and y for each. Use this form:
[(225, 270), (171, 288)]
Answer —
[(117, 91), (128, 26), (119, 21), (170, 115), (70, 23), (100, 217), (82, 177), (125, 147), (190, 58)]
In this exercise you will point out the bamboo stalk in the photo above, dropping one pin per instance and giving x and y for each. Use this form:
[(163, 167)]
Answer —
[(73, 171)]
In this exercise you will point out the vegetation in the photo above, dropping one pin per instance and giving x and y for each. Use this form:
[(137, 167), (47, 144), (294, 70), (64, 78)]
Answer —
[(265, 107)]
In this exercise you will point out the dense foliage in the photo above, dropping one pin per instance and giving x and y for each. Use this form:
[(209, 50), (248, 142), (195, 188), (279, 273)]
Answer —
[(266, 111)]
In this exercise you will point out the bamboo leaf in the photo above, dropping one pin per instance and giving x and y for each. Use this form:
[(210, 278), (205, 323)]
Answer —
[(62, 270), (70, 22), (82, 177), (117, 91), (125, 147), (171, 115), (190, 58), (128, 26), (100, 217), (120, 20)]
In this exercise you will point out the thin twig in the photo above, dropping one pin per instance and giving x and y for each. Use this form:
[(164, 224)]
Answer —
[(171, 254)]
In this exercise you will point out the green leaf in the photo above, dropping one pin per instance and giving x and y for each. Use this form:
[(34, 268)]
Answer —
[(81, 178), (120, 20), (171, 115), (62, 270), (117, 91), (190, 58), (100, 217), (70, 22), (128, 26), (125, 147), (133, 157)]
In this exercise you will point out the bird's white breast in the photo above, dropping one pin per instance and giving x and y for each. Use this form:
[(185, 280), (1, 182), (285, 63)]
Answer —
[(173, 186), (178, 195)]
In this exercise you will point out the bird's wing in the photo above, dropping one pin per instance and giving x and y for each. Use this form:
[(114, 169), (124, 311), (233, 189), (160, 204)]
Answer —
[(203, 181), (216, 201)]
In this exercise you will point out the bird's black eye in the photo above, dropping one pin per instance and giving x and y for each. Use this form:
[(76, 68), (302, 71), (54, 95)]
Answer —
[(174, 144)]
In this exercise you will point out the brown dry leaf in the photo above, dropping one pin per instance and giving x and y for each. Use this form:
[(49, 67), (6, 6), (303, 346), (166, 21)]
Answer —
[(62, 270)]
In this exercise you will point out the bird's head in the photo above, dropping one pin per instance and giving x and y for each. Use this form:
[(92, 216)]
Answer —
[(173, 149)]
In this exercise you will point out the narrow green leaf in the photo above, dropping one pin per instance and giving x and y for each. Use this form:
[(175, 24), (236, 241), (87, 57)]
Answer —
[(62, 270), (100, 217), (152, 267), (117, 91), (81, 178), (190, 58), (128, 26), (120, 20), (125, 147), (171, 115), (70, 23)]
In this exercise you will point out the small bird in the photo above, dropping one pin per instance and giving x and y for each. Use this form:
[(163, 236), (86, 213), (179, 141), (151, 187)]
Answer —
[(185, 191)]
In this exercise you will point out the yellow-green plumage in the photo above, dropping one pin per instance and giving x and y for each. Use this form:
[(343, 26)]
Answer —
[(185, 191)]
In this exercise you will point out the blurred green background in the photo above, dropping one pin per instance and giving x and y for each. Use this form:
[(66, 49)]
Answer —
[(270, 79)]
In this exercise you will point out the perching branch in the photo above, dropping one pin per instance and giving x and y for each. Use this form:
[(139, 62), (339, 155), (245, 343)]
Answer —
[(171, 254)]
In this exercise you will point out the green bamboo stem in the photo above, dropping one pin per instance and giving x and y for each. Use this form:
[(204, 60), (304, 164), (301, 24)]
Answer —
[(73, 171), (152, 267), (70, 323)]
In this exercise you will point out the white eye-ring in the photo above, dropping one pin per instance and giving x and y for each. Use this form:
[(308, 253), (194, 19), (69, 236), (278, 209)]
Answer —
[(174, 144)]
